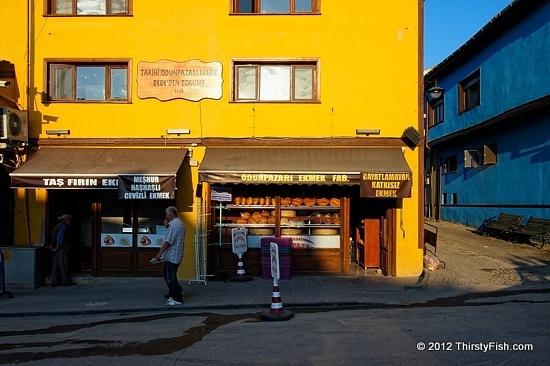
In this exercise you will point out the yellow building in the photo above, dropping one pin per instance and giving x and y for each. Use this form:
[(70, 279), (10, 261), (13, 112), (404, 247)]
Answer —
[(226, 109)]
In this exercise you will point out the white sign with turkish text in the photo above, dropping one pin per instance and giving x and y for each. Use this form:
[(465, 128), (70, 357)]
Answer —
[(274, 258), (238, 239)]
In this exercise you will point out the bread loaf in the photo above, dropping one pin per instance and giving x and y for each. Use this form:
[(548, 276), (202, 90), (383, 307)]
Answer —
[(249, 201), (265, 213), (271, 220), (310, 202), (261, 202), (238, 201), (268, 201), (335, 202), (242, 221), (324, 232), (286, 201), (260, 231), (257, 216), (291, 231), (323, 201), (297, 202), (288, 213), (255, 200)]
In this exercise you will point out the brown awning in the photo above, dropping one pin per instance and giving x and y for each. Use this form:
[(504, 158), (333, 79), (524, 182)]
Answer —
[(322, 166), (101, 168)]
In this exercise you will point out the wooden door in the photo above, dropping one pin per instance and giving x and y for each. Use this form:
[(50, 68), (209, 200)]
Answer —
[(372, 242)]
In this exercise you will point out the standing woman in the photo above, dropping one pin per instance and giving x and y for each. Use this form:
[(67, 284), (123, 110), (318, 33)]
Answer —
[(171, 253)]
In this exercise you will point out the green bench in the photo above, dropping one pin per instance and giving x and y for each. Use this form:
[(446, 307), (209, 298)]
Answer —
[(537, 230), (504, 224)]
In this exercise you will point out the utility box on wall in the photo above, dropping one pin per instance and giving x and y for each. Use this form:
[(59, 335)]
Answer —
[(25, 266)]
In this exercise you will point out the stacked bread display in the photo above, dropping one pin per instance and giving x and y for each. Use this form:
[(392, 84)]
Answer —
[(291, 224), (287, 201)]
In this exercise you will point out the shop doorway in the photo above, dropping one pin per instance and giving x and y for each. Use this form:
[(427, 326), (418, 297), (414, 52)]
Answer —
[(373, 236), (135, 224), (78, 205)]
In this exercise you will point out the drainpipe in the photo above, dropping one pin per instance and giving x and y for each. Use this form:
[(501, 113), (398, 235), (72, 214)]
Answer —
[(29, 103)]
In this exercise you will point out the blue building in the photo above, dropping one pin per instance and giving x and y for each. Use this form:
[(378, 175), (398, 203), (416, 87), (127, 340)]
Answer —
[(488, 134)]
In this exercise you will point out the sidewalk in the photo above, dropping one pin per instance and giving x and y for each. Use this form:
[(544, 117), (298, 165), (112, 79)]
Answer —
[(474, 264), (135, 294)]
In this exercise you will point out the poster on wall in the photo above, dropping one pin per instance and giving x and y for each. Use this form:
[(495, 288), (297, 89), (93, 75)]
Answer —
[(386, 185), (193, 80), (116, 240), (125, 240), (146, 187), (150, 240)]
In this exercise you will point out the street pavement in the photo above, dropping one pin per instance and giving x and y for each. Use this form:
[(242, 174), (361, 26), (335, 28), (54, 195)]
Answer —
[(474, 265)]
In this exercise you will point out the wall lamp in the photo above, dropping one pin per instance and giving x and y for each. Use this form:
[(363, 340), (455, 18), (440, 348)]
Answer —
[(58, 132), (178, 131), (367, 131), (435, 92)]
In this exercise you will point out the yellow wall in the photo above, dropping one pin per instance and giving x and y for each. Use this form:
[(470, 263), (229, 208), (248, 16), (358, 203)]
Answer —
[(369, 76)]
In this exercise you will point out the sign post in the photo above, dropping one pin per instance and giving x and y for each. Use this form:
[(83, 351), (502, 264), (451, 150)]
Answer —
[(238, 240), (277, 312)]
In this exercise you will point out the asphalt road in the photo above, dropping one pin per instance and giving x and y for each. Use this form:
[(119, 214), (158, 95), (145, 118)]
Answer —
[(498, 316), (469, 331)]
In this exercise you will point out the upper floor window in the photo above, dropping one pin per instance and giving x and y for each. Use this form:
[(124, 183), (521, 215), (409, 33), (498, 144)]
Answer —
[(280, 82), (88, 7), (450, 164), (88, 81), (469, 92), (436, 112), (275, 6)]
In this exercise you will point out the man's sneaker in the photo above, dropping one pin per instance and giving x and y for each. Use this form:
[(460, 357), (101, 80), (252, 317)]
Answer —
[(172, 302)]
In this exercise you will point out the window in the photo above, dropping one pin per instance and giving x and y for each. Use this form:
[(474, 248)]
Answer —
[(275, 82), (471, 159), (489, 154), (469, 92), (436, 112), (450, 164), (88, 7), (88, 81), (275, 6)]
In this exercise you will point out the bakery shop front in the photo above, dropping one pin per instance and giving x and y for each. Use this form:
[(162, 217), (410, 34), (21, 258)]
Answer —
[(324, 199), (116, 196)]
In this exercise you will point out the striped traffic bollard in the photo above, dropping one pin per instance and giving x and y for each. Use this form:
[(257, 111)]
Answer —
[(277, 312), (276, 302), (241, 277)]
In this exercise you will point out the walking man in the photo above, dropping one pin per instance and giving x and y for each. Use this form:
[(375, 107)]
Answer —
[(61, 249), (171, 253)]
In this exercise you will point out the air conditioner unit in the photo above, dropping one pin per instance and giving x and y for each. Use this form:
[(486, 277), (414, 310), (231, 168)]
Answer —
[(14, 125)]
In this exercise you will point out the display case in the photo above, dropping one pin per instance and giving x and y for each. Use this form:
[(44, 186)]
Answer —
[(312, 225)]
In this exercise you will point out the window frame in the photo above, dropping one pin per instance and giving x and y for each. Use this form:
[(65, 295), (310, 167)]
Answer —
[(50, 65), (466, 89), (256, 8), (255, 64), (490, 154), (450, 168), (49, 9), (472, 159), (436, 112)]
